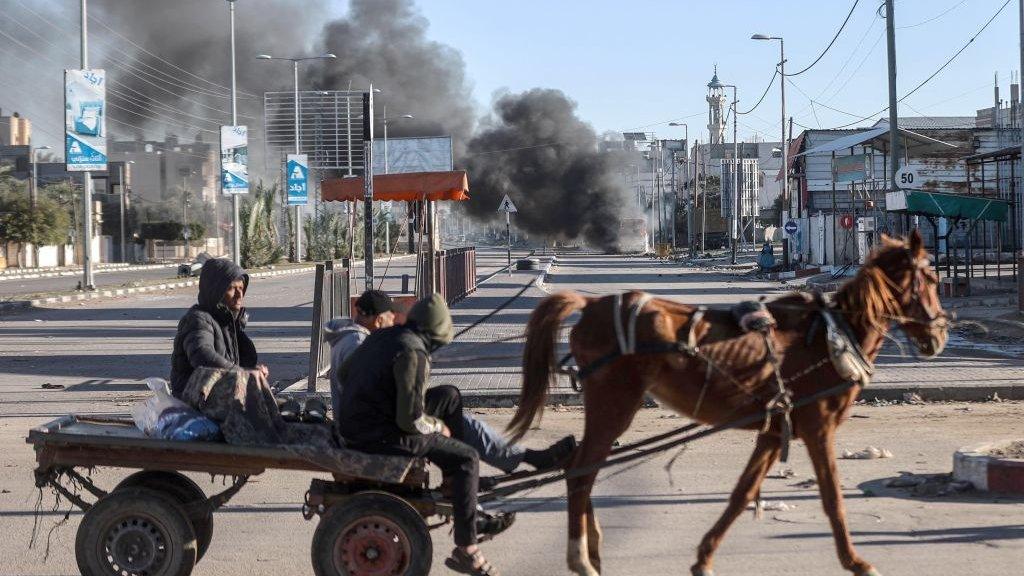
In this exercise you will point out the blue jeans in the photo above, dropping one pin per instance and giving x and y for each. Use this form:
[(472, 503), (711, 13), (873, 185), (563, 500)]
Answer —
[(491, 445)]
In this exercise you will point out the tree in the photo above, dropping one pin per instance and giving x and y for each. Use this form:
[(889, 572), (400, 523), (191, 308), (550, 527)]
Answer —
[(260, 243), (47, 224)]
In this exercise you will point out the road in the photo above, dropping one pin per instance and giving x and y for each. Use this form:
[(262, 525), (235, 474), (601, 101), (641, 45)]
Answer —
[(652, 521), (12, 289)]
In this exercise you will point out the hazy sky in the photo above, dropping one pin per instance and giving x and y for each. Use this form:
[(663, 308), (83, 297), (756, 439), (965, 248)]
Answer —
[(635, 64)]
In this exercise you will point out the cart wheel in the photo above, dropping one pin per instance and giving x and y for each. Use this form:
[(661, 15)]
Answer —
[(184, 491), (135, 532), (372, 534)]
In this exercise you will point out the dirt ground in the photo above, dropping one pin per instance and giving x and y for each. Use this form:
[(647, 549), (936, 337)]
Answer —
[(652, 520)]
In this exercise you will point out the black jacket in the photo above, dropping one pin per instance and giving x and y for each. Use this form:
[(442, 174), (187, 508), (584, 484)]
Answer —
[(385, 378), (209, 334)]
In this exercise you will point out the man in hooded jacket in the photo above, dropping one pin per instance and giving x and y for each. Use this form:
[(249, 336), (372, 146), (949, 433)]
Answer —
[(212, 333), (386, 408)]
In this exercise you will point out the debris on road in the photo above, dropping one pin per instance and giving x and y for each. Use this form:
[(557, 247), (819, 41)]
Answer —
[(805, 484), (995, 397), (782, 474), (51, 386), (1014, 450), (912, 398), (869, 453)]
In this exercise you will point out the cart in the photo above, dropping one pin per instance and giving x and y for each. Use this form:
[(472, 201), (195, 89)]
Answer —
[(158, 522)]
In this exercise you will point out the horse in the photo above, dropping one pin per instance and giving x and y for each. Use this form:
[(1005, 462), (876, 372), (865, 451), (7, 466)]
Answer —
[(727, 375)]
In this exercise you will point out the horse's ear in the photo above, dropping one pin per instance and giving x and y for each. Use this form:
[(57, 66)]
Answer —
[(916, 242)]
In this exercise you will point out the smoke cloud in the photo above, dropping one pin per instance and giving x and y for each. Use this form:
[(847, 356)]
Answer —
[(539, 152)]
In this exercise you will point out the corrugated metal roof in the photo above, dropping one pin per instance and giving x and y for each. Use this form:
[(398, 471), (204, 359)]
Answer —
[(880, 132), (933, 122)]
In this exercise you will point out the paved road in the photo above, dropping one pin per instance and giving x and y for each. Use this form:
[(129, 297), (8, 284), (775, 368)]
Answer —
[(12, 289)]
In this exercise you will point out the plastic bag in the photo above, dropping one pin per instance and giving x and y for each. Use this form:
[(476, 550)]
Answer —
[(163, 416)]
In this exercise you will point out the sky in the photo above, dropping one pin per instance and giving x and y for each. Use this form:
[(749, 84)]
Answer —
[(637, 65)]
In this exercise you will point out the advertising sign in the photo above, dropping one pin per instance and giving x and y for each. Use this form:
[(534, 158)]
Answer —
[(417, 154), (85, 120), (234, 159), (851, 168), (297, 169)]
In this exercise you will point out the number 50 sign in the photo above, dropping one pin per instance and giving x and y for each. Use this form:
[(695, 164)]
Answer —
[(907, 177)]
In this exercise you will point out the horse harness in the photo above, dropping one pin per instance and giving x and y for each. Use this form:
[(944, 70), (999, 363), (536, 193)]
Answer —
[(844, 353)]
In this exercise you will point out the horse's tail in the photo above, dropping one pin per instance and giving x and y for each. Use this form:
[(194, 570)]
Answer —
[(539, 357)]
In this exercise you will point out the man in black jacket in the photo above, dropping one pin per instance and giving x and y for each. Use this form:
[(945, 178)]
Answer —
[(386, 408), (212, 333)]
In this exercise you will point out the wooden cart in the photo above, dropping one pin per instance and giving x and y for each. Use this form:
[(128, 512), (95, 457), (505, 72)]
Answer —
[(158, 522)]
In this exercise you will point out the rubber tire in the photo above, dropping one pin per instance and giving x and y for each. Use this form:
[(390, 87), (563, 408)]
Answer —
[(184, 491), (159, 509), (366, 504)]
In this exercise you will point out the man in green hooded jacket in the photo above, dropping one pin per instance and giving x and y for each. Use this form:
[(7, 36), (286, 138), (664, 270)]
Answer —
[(386, 408)]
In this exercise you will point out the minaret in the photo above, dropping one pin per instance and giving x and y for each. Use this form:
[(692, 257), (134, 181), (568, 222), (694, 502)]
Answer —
[(716, 109)]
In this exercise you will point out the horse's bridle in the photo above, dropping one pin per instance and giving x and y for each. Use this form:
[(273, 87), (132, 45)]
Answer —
[(918, 284)]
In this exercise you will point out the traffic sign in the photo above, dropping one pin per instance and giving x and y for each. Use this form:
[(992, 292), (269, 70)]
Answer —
[(907, 177), (791, 227), (846, 221), (507, 205)]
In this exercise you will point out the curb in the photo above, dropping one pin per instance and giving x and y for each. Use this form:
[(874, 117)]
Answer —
[(75, 272), (538, 282), (989, 473), (109, 293)]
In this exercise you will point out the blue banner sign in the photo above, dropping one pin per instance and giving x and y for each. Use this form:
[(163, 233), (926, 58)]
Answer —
[(298, 179), (85, 120), (234, 159)]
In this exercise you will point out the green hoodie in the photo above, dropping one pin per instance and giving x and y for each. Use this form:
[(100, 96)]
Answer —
[(430, 320)]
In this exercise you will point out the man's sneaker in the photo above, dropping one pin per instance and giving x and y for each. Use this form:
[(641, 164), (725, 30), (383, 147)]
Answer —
[(553, 456)]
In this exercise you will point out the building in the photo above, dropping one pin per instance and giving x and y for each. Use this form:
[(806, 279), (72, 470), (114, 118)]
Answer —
[(161, 169), (15, 130)]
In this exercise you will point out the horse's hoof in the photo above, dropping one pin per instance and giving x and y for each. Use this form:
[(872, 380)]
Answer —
[(701, 571), (871, 572)]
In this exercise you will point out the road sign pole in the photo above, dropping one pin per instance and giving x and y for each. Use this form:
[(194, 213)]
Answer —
[(508, 240)]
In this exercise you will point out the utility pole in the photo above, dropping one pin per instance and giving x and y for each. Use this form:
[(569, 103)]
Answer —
[(236, 236), (87, 276), (368, 187), (734, 222), (298, 207), (1020, 189), (894, 130)]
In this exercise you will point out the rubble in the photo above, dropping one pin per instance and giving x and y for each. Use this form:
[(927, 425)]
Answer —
[(869, 453)]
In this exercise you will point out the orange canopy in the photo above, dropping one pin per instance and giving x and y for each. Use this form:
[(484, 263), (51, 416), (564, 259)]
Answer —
[(402, 187)]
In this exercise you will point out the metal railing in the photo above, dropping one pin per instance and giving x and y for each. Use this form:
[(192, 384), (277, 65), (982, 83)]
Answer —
[(454, 273), (331, 298)]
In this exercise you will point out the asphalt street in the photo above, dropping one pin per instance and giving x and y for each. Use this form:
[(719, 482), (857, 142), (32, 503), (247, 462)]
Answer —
[(11, 288)]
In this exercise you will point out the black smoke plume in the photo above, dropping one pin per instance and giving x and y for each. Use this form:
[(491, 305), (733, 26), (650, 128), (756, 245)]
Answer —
[(536, 150)]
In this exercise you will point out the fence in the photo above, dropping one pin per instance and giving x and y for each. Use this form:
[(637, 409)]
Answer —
[(454, 273), (331, 298)]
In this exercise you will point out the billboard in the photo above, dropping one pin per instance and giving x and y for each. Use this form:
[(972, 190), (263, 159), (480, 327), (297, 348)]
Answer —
[(297, 168), (234, 159), (430, 154), (851, 168), (85, 122)]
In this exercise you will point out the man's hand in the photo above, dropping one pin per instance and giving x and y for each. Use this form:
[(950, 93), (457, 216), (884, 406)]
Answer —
[(263, 370), (445, 431)]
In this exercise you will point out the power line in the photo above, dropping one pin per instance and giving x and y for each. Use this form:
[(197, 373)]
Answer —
[(934, 18), (830, 44), (763, 94), (849, 58)]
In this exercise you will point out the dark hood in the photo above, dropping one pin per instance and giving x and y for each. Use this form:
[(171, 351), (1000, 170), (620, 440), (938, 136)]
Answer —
[(432, 320), (217, 274)]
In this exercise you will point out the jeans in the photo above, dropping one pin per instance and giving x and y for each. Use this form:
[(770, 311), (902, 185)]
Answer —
[(491, 445)]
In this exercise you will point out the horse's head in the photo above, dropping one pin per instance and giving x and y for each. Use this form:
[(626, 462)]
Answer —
[(913, 288)]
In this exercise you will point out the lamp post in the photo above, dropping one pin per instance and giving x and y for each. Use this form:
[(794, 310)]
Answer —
[(34, 188), (387, 121), (120, 180), (88, 283), (236, 236), (735, 220), (784, 145), (686, 178), (295, 77)]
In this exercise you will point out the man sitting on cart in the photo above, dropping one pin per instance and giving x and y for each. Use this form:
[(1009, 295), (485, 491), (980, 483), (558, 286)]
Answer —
[(212, 333), (385, 408), (374, 310)]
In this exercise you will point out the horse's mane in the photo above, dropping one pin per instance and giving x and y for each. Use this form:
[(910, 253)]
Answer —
[(868, 298)]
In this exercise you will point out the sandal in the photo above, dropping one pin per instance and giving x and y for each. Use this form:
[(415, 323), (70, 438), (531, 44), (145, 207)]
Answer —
[(489, 525), (473, 564)]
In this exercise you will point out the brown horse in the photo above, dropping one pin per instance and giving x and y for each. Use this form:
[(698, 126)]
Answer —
[(896, 285)]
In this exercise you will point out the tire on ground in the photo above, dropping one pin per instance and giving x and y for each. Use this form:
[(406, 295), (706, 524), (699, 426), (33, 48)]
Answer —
[(135, 531), (185, 492), (372, 532)]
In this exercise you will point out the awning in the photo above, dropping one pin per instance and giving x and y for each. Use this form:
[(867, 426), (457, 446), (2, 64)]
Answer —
[(947, 205), (794, 147), (406, 187), (876, 138)]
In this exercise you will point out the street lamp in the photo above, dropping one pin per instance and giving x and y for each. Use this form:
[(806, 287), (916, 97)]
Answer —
[(691, 200), (295, 75), (34, 188), (386, 122), (785, 147), (120, 180)]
